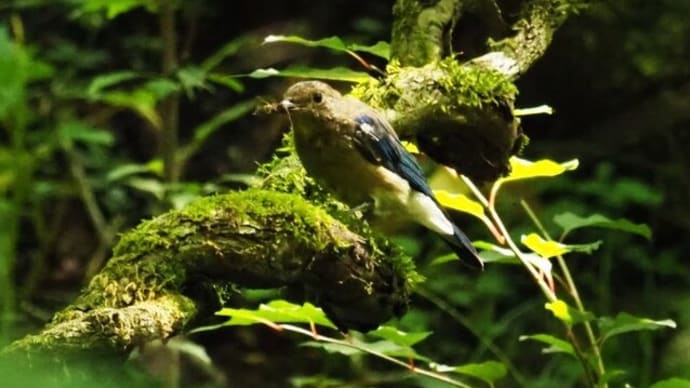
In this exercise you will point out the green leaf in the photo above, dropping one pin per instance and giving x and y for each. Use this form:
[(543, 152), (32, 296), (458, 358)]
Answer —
[(489, 371), (567, 314), (230, 48), (104, 81), (114, 8), (228, 81), (206, 129), (569, 222), (77, 131), (674, 382), (625, 323), (277, 311), (336, 73), (384, 347), (556, 345), (161, 87), (141, 101), (192, 78), (127, 170), (396, 336), (203, 131), (148, 185), (525, 169), (380, 49)]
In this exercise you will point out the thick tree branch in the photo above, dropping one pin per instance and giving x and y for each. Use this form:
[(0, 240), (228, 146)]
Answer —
[(419, 30), (534, 30), (256, 238), (461, 113)]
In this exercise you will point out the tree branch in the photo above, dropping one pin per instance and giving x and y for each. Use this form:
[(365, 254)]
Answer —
[(461, 113), (256, 238), (534, 30)]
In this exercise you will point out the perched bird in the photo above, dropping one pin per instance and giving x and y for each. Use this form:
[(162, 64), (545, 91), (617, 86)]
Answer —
[(352, 150)]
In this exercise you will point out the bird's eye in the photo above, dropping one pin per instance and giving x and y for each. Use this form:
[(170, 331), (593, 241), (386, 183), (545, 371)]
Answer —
[(317, 97)]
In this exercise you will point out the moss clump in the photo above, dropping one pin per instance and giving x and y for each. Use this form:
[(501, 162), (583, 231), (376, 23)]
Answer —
[(445, 85)]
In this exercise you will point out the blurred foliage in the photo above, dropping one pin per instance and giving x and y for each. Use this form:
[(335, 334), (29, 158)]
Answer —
[(83, 90)]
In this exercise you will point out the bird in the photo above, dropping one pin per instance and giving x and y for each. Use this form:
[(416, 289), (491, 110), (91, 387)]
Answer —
[(351, 150)]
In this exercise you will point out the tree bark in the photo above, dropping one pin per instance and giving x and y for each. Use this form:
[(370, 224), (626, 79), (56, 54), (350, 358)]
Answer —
[(461, 114), (257, 238)]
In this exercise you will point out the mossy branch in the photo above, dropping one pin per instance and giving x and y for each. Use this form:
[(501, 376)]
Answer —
[(419, 30), (461, 114), (534, 30), (255, 238)]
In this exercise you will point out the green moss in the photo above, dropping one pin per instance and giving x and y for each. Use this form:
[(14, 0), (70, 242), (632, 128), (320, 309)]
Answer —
[(446, 85)]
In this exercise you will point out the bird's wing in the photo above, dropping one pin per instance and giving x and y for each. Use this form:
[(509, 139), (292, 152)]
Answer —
[(378, 143)]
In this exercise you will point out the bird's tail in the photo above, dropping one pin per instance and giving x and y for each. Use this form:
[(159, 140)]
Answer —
[(462, 246)]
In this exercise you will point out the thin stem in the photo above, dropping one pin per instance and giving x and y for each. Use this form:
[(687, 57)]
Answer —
[(501, 227), (572, 288), (414, 369), (475, 191), (591, 380), (478, 194), (455, 314)]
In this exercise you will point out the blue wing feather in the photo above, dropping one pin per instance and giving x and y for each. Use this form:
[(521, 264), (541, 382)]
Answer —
[(382, 146)]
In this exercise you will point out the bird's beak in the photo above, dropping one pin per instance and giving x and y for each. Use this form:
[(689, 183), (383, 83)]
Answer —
[(287, 104)]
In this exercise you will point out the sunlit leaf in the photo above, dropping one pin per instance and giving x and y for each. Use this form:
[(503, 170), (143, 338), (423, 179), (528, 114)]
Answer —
[(548, 248), (545, 248), (569, 222), (525, 169), (410, 147), (489, 371), (459, 202), (567, 314), (672, 383), (277, 311), (625, 323), (381, 49), (396, 336), (556, 345), (336, 73)]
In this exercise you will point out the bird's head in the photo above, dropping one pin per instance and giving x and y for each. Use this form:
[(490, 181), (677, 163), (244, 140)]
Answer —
[(308, 95)]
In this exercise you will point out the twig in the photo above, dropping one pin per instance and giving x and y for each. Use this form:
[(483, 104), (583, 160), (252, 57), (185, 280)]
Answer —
[(572, 290), (417, 370)]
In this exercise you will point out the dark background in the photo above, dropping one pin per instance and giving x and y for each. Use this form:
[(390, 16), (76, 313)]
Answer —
[(617, 76)]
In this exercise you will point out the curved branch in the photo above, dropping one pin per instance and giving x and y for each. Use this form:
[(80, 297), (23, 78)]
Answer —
[(256, 238), (534, 30), (461, 113)]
